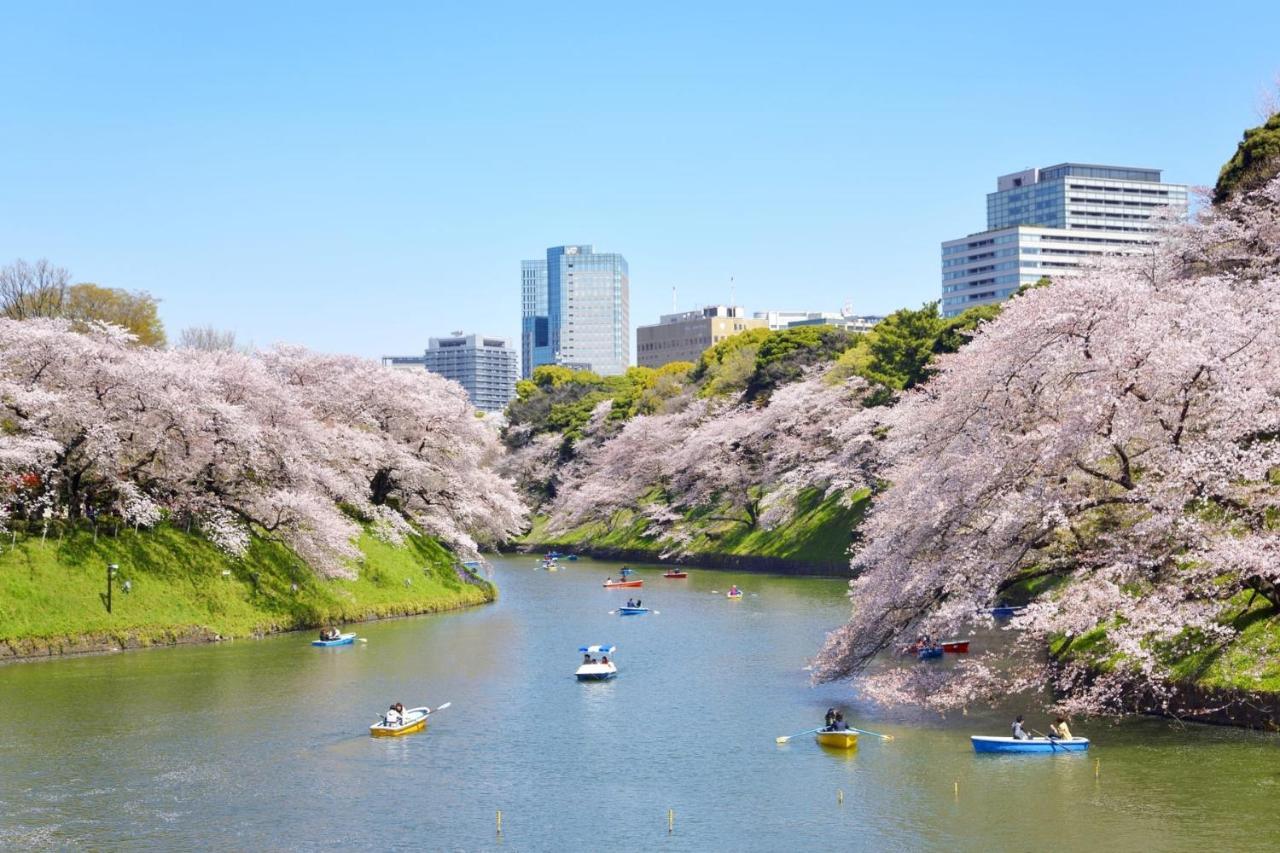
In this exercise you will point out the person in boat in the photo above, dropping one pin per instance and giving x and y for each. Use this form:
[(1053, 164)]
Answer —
[(392, 717), (330, 633), (1059, 729), (630, 603), (609, 579), (839, 725), (830, 720), (586, 659), (1018, 732), (637, 602), (604, 660)]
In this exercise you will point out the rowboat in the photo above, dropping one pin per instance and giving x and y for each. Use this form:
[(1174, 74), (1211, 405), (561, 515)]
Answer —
[(343, 640), (838, 740), (601, 671), (415, 720), (675, 574), (734, 595), (929, 652), (1035, 744), (1006, 611), (616, 584), (632, 611), (957, 647)]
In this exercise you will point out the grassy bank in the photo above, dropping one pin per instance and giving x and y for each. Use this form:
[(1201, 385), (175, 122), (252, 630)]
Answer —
[(820, 533), (52, 591)]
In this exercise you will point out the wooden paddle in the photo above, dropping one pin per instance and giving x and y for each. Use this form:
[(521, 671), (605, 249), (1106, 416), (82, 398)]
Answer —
[(786, 738)]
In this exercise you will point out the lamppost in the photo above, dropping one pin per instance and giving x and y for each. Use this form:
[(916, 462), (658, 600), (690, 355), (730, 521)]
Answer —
[(112, 568)]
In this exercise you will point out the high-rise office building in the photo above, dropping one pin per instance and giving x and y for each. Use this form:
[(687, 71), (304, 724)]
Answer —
[(1051, 222), (685, 335), (575, 311), (483, 365)]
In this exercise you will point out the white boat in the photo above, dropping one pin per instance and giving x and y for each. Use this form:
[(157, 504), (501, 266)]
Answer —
[(603, 669)]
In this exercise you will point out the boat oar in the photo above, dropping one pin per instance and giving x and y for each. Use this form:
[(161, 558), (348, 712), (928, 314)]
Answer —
[(871, 733), (1052, 746), (439, 708), (798, 734)]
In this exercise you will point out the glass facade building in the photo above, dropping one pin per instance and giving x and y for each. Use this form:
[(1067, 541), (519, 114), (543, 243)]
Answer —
[(1050, 222), (575, 311)]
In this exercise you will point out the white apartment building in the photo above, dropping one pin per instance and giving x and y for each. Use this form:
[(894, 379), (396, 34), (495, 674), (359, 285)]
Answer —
[(1051, 222)]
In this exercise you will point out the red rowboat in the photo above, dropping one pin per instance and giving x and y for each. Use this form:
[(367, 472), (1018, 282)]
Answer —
[(612, 584), (956, 646), (675, 574)]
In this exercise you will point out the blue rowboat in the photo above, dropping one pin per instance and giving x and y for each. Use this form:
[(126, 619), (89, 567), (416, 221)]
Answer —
[(1041, 745), (632, 611), (1006, 611), (343, 640), (929, 652)]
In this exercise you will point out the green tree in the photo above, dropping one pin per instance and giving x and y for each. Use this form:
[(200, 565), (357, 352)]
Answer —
[(785, 353), (133, 310), (1256, 161)]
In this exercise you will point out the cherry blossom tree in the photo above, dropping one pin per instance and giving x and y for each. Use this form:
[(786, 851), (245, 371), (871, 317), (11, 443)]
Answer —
[(290, 444), (744, 463), (1111, 439)]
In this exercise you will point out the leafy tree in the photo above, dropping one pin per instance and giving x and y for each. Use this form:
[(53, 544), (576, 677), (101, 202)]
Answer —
[(28, 291), (785, 353), (131, 310), (1255, 162)]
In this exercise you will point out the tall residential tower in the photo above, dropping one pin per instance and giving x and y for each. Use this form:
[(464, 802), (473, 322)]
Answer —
[(1050, 222), (575, 311)]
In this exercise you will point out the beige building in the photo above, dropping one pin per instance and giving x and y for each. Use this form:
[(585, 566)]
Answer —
[(684, 336)]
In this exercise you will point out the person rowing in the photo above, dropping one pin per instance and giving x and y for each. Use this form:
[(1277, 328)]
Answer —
[(1059, 729), (393, 717)]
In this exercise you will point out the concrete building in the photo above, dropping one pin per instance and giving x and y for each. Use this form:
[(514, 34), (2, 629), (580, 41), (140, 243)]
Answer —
[(1051, 222), (845, 319), (484, 365), (575, 311), (686, 335)]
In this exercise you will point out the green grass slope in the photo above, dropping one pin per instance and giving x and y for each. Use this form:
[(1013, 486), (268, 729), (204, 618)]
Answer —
[(819, 532), (182, 586)]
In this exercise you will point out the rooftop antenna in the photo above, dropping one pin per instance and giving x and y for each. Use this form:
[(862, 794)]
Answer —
[(673, 299), (732, 291)]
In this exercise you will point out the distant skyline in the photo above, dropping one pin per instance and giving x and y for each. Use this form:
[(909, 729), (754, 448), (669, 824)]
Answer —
[(360, 179)]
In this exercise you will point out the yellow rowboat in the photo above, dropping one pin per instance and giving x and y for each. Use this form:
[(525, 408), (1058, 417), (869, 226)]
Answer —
[(415, 720), (839, 740)]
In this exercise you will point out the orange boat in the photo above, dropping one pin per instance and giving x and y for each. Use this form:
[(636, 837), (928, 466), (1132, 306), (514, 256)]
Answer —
[(955, 646), (612, 584)]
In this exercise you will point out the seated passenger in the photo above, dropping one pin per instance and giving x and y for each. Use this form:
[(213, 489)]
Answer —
[(586, 659), (830, 720), (840, 724), (1018, 732), (605, 660), (392, 717)]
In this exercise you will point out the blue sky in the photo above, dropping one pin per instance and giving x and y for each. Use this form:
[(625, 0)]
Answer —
[(360, 177)]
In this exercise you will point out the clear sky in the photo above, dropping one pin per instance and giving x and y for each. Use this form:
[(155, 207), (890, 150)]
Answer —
[(359, 177)]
